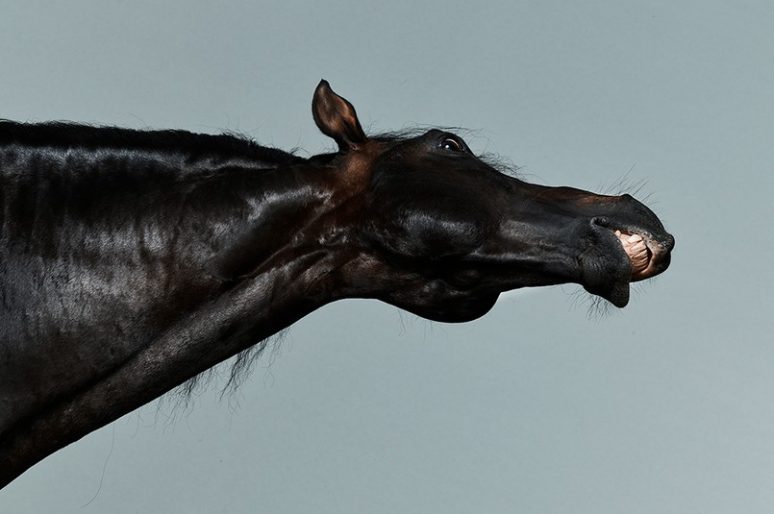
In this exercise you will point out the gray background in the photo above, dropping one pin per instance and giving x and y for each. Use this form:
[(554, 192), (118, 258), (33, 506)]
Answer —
[(540, 406)]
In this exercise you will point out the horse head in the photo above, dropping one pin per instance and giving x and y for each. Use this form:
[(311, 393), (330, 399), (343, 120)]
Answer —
[(440, 232)]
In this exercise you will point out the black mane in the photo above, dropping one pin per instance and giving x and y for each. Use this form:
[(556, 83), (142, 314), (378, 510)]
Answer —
[(180, 143)]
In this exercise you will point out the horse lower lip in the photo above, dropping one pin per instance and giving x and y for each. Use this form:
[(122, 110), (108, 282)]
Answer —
[(607, 274), (616, 292)]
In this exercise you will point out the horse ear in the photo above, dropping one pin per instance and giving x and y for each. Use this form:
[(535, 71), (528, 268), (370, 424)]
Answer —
[(336, 118)]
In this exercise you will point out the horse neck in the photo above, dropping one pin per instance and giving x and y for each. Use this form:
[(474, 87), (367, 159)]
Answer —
[(241, 217)]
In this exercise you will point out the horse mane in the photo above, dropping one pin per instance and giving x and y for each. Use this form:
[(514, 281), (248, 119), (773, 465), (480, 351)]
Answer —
[(67, 136)]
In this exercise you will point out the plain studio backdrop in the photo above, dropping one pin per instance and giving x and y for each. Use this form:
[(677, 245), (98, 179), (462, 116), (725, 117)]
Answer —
[(539, 407)]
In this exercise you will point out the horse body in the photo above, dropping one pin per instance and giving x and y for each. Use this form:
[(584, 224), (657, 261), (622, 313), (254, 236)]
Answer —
[(131, 261), (88, 259)]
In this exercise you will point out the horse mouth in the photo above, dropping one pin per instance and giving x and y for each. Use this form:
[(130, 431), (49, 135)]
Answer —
[(648, 255), (636, 255), (639, 253)]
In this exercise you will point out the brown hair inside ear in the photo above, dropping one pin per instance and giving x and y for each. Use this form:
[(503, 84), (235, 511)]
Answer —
[(336, 118)]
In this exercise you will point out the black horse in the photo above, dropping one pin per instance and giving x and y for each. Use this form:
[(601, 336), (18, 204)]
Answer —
[(131, 261)]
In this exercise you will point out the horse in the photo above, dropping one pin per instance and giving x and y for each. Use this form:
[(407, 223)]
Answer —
[(134, 260)]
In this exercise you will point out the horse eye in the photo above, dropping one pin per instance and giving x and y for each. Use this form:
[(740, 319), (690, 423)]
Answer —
[(451, 144)]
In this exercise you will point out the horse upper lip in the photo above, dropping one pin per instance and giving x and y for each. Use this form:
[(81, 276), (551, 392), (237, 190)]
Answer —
[(659, 250)]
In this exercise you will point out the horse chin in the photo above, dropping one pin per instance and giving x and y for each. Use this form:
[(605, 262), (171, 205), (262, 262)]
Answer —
[(616, 293), (453, 310), (607, 269)]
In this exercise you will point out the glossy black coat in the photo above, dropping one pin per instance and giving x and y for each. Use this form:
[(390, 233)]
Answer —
[(130, 261)]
